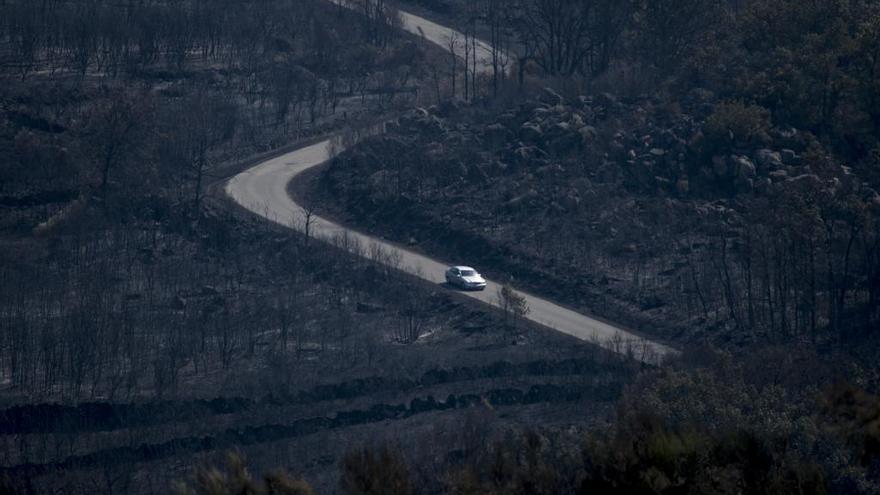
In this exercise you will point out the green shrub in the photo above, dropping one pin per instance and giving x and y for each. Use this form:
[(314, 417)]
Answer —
[(736, 125)]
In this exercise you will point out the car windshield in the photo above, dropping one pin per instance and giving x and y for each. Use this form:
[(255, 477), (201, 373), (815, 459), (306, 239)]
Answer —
[(468, 273)]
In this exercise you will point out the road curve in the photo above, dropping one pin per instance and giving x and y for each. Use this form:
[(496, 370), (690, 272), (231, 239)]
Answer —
[(262, 189)]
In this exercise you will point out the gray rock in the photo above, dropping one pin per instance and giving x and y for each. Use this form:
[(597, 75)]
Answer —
[(588, 134), (559, 129), (540, 114), (551, 97), (607, 100), (848, 178), (589, 115), (762, 185), (778, 175), (608, 172), (415, 115), (662, 182), (526, 154), (745, 184), (497, 134), (768, 158), (805, 180), (565, 143), (531, 133), (790, 157), (508, 119), (559, 109), (743, 167)]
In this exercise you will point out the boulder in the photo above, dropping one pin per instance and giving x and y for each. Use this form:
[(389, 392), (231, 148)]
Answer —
[(451, 105), (762, 185), (663, 184), (420, 112), (849, 179), (565, 143), (608, 172), (508, 119), (743, 167), (588, 134), (559, 129), (778, 175), (768, 158), (413, 116), (719, 166), (531, 133), (551, 97), (540, 114), (496, 134), (559, 110), (607, 100), (526, 154), (790, 157), (806, 181), (746, 185)]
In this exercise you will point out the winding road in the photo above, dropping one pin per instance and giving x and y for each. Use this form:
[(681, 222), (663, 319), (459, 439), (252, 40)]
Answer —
[(262, 189)]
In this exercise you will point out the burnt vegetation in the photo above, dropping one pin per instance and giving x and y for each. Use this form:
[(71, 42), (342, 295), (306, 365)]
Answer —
[(702, 171)]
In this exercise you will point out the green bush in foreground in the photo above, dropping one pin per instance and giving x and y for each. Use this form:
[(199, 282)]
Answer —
[(236, 480)]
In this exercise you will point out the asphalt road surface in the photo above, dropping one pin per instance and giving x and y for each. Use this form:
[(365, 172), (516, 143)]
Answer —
[(262, 189)]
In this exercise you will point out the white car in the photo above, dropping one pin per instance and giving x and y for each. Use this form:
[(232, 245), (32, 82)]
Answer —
[(465, 277)]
